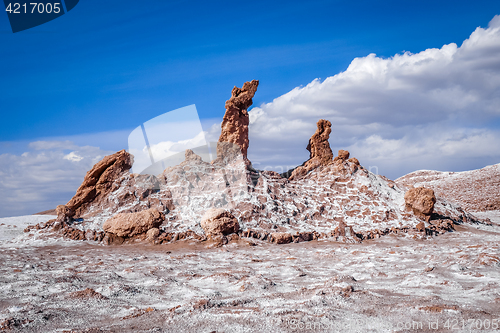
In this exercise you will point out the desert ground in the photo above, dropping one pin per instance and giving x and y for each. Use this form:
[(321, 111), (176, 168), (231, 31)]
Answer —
[(391, 284)]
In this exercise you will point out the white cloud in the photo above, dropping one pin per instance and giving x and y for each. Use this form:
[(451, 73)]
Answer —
[(44, 178), (165, 149), (73, 157), (53, 144), (436, 106)]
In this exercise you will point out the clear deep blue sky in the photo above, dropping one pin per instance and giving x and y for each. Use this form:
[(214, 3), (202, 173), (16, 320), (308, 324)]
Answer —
[(111, 65)]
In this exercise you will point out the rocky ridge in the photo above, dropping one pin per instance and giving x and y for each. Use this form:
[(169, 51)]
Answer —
[(326, 196), (475, 190)]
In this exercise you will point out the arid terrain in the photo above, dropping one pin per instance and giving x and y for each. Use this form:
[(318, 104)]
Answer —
[(218, 246), (250, 285)]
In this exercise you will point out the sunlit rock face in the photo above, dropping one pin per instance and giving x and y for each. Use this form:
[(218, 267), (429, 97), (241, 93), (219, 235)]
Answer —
[(234, 127)]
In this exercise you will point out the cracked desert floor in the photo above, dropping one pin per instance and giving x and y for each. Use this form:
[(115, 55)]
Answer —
[(395, 283)]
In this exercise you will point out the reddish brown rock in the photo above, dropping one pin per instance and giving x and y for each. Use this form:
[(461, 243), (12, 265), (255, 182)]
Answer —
[(319, 147), (87, 293), (112, 239), (152, 234), (474, 190), (97, 184), (421, 201), (218, 222), (343, 230), (343, 155), (281, 237), (131, 224), (420, 226), (64, 214), (353, 160), (234, 127), (320, 153)]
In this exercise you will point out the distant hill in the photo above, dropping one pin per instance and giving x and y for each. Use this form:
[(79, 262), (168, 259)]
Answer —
[(475, 190)]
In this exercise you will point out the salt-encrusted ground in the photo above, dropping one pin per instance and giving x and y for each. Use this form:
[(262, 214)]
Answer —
[(251, 286)]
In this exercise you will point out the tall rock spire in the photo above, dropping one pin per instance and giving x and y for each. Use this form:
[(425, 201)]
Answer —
[(234, 128)]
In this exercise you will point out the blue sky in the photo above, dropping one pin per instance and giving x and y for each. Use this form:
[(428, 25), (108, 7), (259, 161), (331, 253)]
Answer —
[(407, 85), (110, 65)]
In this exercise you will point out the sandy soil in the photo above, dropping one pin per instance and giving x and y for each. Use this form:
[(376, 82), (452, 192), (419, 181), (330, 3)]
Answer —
[(391, 284)]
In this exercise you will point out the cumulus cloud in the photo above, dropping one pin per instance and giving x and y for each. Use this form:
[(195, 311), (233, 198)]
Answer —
[(43, 177), (433, 109)]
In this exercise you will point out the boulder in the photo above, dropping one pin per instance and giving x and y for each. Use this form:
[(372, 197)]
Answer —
[(420, 226), (131, 224), (152, 234), (281, 237), (64, 214), (421, 201), (234, 127), (343, 155), (218, 222)]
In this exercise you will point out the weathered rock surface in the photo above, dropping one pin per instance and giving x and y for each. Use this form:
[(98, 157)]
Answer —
[(216, 222), (131, 224), (87, 293), (318, 146), (343, 155), (98, 182), (234, 127), (153, 233), (320, 153), (421, 201), (281, 237), (64, 213)]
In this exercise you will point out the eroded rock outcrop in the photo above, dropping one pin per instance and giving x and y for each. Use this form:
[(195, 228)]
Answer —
[(218, 222), (421, 201), (132, 224), (98, 182), (234, 127), (319, 147), (320, 153), (339, 200)]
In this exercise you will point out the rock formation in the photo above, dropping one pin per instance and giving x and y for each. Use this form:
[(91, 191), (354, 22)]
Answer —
[(217, 222), (234, 127), (87, 293), (475, 190), (196, 199), (281, 237), (64, 214), (343, 156), (319, 147), (320, 153), (98, 182), (152, 234), (421, 201), (131, 224)]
